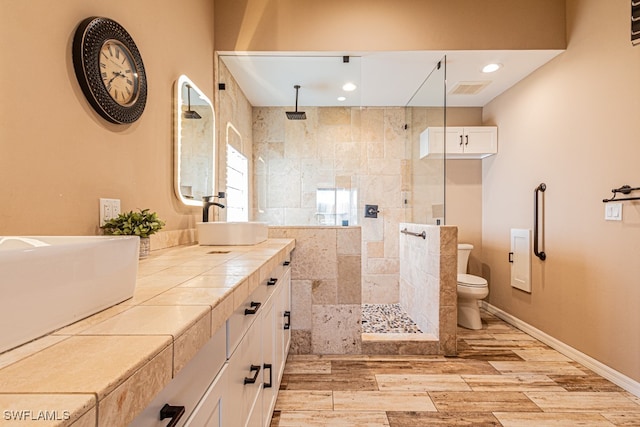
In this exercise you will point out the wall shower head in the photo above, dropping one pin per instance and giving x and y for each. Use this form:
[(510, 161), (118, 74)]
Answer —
[(296, 115)]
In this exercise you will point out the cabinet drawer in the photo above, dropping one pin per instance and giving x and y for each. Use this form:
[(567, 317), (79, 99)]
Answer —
[(210, 411), (186, 388), (245, 377), (244, 316)]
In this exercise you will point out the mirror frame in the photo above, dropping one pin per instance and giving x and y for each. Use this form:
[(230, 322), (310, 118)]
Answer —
[(177, 142)]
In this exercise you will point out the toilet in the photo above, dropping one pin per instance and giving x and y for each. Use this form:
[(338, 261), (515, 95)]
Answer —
[(470, 289)]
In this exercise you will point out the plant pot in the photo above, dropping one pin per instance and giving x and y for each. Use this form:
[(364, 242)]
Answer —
[(145, 247)]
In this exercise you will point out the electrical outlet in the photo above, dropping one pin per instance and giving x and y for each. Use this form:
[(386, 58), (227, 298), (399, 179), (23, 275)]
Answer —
[(613, 211), (109, 208)]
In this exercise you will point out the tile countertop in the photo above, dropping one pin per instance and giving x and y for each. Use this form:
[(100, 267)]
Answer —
[(105, 369)]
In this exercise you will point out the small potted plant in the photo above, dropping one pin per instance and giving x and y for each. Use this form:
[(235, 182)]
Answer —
[(142, 223)]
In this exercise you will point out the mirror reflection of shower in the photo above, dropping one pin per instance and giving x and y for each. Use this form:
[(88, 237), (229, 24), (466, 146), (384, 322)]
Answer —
[(195, 149)]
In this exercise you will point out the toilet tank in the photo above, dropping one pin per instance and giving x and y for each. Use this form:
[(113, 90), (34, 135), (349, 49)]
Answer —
[(464, 249)]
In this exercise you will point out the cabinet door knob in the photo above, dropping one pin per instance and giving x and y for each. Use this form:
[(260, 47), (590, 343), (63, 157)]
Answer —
[(460, 140), (252, 380), (467, 140), (286, 263), (272, 281), (173, 412), (254, 308)]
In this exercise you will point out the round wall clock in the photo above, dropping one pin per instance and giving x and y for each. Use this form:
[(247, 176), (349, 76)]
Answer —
[(109, 69)]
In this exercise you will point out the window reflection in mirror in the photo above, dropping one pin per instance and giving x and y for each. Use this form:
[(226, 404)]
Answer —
[(194, 172), (237, 178)]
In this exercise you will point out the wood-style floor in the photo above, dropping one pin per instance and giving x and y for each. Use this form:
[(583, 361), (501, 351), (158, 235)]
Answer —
[(501, 377)]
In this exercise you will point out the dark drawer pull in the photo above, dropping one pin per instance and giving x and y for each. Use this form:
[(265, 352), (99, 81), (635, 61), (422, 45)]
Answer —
[(272, 281), (255, 306), (270, 383), (255, 368), (286, 263), (287, 314), (173, 412)]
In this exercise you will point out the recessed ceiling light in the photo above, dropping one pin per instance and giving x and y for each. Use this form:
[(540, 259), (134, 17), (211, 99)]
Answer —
[(342, 98), (349, 87), (490, 68)]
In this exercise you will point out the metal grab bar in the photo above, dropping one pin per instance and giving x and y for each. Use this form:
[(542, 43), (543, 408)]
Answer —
[(540, 254), (411, 233)]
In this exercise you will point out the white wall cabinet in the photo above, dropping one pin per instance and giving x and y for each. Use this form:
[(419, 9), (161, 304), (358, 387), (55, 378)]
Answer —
[(470, 142), (234, 379)]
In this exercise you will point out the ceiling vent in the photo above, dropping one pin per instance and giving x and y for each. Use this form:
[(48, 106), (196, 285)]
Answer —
[(468, 88)]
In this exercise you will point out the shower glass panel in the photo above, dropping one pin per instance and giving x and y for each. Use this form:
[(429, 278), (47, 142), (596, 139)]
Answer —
[(306, 171), (427, 109)]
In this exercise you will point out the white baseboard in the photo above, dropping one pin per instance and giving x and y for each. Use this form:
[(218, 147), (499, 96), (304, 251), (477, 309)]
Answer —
[(599, 368)]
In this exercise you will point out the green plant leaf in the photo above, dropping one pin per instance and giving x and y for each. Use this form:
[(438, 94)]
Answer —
[(142, 223)]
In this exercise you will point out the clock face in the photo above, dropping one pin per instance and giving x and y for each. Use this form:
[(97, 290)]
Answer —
[(109, 69), (118, 72)]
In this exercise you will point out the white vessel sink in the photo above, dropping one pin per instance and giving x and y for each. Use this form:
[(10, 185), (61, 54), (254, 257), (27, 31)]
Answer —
[(50, 282), (231, 233)]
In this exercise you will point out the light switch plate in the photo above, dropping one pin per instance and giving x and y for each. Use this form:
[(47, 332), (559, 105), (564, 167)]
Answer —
[(613, 211)]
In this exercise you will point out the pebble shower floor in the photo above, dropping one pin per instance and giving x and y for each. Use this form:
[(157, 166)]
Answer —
[(387, 319)]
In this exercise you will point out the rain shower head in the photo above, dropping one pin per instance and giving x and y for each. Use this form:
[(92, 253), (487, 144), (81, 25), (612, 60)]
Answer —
[(296, 115), (190, 114)]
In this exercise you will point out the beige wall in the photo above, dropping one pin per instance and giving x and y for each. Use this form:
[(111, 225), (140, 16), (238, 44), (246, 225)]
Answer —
[(573, 124), (338, 25), (57, 156)]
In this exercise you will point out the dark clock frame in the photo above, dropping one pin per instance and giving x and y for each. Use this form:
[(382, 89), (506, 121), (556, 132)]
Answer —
[(88, 40)]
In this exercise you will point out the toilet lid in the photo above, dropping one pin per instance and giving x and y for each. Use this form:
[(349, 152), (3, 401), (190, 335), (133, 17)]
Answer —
[(471, 280)]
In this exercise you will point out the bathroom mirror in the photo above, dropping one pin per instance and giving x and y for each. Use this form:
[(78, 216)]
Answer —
[(194, 127)]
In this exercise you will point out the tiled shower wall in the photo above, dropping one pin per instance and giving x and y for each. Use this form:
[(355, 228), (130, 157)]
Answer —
[(369, 150), (326, 297), (428, 281)]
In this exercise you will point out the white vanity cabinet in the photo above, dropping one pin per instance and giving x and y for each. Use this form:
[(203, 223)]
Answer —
[(276, 332), (187, 388), (224, 384), (470, 142)]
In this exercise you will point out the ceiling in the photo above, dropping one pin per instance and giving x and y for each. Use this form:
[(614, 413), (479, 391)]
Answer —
[(382, 78)]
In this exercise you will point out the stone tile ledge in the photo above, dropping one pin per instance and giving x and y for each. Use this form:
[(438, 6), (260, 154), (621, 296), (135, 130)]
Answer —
[(105, 369)]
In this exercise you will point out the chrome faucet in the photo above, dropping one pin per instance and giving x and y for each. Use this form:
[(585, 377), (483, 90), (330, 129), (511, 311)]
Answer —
[(207, 203)]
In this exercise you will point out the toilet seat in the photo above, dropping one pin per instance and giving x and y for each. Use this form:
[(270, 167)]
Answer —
[(471, 281)]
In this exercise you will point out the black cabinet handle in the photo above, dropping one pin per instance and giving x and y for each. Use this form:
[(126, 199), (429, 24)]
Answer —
[(173, 412), (272, 281), (255, 306), (460, 140), (467, 139), (287, 314), (286, 263), (270, 383), (255, 368)]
